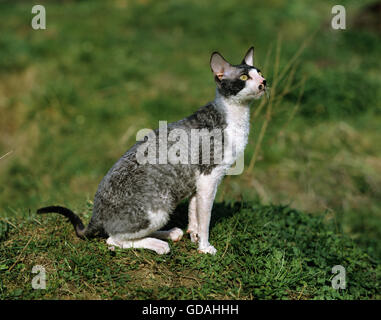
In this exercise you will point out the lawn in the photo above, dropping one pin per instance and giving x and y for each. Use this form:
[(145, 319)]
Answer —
[(73, 96), (265, 252)]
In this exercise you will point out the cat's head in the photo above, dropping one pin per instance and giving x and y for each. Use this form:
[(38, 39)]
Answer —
[(243, 82)]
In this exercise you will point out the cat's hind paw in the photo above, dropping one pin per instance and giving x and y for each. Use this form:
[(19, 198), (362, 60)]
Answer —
[(162, 248), (175, 234)]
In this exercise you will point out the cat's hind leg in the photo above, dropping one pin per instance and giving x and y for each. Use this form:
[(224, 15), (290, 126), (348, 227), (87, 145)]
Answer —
[(174, 234), (141, 232), (159, 246)]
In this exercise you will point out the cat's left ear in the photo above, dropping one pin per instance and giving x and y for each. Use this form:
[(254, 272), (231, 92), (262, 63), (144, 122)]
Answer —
[(249, 57)]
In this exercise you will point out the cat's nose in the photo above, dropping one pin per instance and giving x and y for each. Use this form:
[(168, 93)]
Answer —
[(262, 85)]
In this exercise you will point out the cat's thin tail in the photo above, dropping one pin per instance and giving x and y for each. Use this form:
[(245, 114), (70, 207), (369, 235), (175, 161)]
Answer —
[(80, 230)]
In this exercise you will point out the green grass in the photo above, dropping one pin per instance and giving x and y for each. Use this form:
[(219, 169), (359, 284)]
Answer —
[(72, 98), (264, 252)]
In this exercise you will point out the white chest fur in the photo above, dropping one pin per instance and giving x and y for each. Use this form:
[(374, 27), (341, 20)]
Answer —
[(236, 134), (237, 130)]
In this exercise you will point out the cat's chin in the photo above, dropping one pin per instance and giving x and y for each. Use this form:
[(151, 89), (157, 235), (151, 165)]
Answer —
[(258, 95), (255, 96)]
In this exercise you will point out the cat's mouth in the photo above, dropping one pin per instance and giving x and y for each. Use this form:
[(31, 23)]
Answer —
[(259, 94)]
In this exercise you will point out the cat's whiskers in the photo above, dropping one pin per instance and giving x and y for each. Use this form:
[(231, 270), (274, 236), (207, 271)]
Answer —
[(267, 91)]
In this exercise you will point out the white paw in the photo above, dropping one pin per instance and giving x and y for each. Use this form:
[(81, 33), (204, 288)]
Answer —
[(175, 234), (208, 249), (193, 235), (113, 243), (161, 248)]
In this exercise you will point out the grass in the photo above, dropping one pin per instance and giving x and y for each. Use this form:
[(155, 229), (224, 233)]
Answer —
[(72, 99), (264, 252)]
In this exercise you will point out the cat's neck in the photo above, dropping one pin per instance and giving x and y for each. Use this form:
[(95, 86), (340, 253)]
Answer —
[(237, 117), (232, 106)]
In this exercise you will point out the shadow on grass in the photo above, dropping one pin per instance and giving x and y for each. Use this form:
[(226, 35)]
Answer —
[(220, 211)]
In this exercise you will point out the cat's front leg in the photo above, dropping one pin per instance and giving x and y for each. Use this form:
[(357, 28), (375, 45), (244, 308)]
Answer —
[(206, 191), (192, 219)]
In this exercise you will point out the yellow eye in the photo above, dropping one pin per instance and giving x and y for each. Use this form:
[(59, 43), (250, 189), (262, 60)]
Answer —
[(260, 73), (243, 77)]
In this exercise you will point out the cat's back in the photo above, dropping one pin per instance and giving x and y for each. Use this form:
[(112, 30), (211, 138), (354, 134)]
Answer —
[(129, 178), (207, 117)]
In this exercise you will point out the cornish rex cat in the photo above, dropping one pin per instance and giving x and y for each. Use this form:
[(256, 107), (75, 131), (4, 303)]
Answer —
[(136, 197)]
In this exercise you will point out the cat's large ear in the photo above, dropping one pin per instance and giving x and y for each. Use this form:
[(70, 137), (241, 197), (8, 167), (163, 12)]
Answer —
[(219, 65), (249, 57)]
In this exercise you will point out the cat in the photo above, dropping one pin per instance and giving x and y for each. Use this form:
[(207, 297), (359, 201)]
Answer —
[(135, 200)]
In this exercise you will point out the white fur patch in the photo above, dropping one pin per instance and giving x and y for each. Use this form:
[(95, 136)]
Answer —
[(238, 127), (192, 219), (158, 219), (175, 234), (160, 247), (206, 192), (237, 132)]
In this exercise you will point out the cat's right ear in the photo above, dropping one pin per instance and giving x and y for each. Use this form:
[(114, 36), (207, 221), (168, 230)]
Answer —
[(219, 65), (249, 57)]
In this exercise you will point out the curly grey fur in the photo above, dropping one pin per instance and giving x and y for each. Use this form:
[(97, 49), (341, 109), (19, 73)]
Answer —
[(130, 189)]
